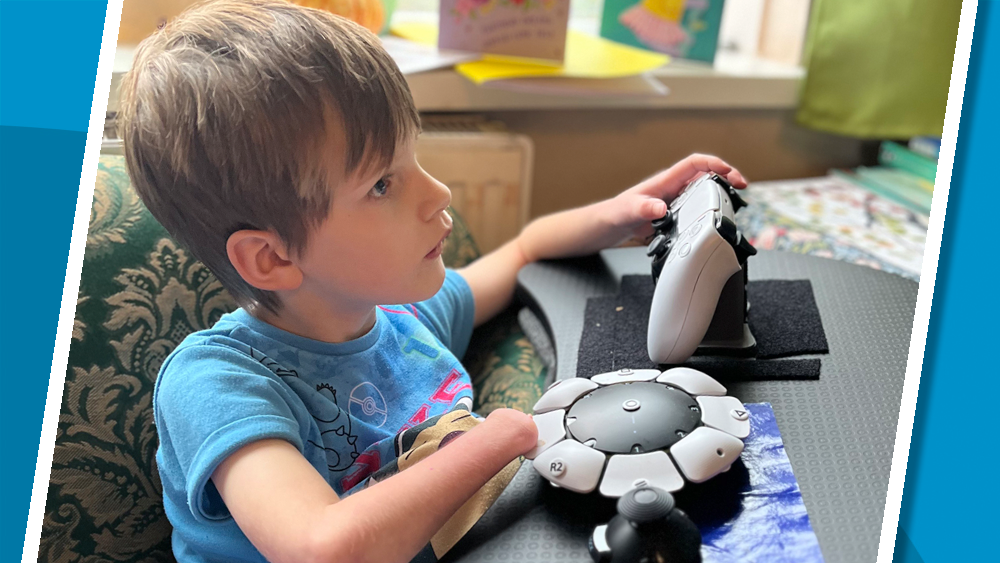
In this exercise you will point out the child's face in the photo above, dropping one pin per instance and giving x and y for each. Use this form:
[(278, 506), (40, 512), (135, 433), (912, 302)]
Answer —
[(381, 242)]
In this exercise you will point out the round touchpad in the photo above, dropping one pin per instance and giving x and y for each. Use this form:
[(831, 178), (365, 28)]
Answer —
[(633, 417)]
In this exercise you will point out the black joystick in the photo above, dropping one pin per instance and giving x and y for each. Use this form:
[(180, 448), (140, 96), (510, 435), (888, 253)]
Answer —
[(648, 527), (663, 224)]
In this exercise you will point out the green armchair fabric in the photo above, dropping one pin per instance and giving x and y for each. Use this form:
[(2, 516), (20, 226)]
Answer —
[(140, 295)]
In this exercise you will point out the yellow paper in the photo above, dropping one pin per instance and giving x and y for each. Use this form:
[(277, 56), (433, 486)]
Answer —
[(586, 57)]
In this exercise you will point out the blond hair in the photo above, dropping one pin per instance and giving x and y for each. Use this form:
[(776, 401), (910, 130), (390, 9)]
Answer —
[(225, 118)]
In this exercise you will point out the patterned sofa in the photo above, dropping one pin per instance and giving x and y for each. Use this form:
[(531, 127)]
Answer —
[(140, 295)]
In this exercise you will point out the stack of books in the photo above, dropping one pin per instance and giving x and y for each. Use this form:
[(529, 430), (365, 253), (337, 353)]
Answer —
[(905, 174)]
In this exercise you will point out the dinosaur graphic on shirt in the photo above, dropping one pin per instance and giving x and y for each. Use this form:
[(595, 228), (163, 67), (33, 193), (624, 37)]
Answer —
[(335, 428), (339, 443)]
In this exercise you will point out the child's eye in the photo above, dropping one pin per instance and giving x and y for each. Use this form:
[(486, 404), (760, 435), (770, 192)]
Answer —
[(380, 188)]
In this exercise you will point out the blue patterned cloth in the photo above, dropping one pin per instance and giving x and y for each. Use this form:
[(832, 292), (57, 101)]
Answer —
[(754, 512)]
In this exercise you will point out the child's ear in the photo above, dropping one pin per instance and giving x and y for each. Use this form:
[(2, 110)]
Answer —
[(262, 260)]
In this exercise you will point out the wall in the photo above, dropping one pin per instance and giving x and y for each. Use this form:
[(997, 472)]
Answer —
[(587, 155)]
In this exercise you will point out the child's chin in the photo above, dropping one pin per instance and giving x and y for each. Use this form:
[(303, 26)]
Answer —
[(427, 286)]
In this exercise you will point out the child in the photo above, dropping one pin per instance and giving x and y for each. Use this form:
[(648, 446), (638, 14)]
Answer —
[(277, 144)]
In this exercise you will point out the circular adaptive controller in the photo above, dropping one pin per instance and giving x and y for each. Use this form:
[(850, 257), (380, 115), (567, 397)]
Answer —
[(637, 428)]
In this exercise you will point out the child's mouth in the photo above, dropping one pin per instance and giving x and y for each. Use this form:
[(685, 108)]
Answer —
[(436, 251)]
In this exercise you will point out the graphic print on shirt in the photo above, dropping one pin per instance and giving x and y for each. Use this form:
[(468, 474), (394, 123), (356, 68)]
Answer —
[(423, 346), (368, 405), (339, 442), (445, 394), (336, 430)]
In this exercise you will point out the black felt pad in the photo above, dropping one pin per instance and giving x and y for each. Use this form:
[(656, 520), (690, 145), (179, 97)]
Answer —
[(783, 318)]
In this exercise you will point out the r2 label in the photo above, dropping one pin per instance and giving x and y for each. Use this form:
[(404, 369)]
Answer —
[(557, 467)]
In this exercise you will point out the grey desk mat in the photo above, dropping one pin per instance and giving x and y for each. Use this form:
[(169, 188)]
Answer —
[(839, 431)]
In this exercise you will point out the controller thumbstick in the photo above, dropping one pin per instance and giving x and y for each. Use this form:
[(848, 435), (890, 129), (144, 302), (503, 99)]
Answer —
[(648, 527), (645, 504), (658, 247), (664, 224)]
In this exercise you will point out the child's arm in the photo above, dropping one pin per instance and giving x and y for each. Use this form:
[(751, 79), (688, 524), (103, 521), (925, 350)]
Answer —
[(583, 231), (290, 513)]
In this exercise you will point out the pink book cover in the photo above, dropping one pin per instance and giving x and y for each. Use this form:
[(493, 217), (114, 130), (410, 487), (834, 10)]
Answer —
[(533, 29)]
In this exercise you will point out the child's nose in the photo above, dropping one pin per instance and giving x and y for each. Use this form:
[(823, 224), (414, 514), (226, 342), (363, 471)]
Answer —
[(436, 200)]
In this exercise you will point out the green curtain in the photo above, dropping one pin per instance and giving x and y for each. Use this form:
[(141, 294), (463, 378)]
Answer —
[(879, 69)]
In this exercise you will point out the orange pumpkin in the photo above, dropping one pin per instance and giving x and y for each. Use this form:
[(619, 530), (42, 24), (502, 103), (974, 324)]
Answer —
[(368, 13)]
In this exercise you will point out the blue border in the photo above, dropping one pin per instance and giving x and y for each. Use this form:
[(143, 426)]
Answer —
[(950, 498), (48, 56)]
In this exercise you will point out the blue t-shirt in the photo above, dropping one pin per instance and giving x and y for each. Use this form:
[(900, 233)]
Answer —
[(244, 380)]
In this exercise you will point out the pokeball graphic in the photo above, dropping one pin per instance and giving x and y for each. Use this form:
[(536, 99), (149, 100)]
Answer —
[(621, 430), (368, 405)]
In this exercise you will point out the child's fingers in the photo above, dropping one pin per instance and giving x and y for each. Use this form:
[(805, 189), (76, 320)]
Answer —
[(649, 208), (670, 181), (736, 179), (699, 163)]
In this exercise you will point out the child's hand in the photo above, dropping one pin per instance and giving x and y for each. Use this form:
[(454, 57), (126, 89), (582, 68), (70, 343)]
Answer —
[(633, 210), (582, 231), (518, 428)]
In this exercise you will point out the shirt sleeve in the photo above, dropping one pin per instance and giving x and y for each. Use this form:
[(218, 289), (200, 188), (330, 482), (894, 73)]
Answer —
[(450, 313), (210, 401)]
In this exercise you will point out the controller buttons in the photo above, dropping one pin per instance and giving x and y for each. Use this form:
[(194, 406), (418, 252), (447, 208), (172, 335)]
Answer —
[(725, 413), (557, 467), (692, 381), (696, 228), (684, 250), (551, 431), (628, 471), (625, 375), (580, 449), (571, 465), (706, 452), (563, 393)]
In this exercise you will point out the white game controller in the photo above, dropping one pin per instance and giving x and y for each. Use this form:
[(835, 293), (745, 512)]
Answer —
[(696, 251), (637, 428)]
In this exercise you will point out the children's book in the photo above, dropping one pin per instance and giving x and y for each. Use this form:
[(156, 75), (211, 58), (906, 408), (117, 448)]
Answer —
[(534, 29), (927, 146), (897, 156), (682, 28)]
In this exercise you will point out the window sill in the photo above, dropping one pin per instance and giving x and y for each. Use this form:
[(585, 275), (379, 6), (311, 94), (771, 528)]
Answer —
[(734, 82)]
